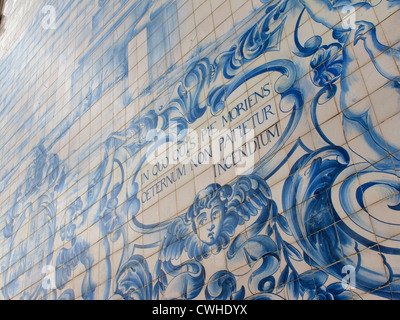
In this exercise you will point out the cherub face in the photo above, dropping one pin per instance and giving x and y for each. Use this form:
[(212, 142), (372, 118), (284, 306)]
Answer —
[(208, 224)]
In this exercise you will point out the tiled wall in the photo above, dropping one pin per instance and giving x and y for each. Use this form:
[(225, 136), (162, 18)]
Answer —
[(200, 149)]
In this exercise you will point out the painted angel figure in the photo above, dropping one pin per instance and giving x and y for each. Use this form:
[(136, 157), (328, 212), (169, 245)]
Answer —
[(207, 228), (383, 76)]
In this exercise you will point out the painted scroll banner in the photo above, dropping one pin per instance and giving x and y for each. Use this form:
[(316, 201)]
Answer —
[(227, 145), (224, 147)]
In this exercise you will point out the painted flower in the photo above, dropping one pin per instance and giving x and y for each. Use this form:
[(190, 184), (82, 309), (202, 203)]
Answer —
[(111, 220), (314, 287), (68, 233), (327, 65)]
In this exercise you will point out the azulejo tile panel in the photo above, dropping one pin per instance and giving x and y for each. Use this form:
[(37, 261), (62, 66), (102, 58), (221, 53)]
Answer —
[(183, 149)]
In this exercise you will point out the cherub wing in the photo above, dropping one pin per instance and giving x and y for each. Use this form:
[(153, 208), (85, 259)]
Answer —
[(173, 242), (249, 196)]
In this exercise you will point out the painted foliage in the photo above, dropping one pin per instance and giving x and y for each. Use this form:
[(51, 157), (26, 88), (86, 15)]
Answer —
[(258, 166)]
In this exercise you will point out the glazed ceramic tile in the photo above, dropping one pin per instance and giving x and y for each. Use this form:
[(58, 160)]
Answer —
[(199, 150)]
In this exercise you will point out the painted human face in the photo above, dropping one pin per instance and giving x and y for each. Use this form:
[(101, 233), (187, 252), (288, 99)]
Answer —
[(208, 224)]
